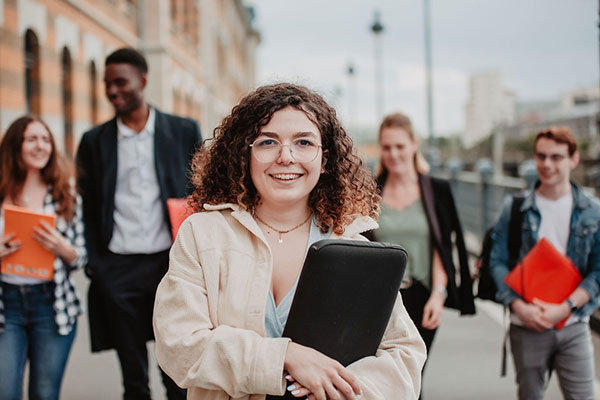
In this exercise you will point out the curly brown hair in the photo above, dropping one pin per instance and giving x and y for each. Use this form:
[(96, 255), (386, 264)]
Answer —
[(221, 168), (58, 173)]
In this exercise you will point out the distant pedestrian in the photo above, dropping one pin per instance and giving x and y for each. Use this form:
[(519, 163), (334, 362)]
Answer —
[(558, 210), (280, 175), (38, 317), (418, 212), (128, 167)]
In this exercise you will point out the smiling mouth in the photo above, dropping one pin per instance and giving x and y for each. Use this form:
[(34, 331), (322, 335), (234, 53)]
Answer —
[(286, 177)]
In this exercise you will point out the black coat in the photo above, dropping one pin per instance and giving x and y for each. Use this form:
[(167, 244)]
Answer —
[(175, 141), (444, 224)]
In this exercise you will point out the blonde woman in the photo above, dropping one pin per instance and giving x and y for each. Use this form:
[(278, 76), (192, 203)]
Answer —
[(418, 212)]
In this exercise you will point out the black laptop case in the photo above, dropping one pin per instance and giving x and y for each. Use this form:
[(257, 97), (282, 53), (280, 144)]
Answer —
[(345, 296)]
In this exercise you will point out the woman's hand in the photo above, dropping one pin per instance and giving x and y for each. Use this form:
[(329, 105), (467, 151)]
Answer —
[(319, 375), (432, 313), (54, 242), (8, 245), (296, 389)]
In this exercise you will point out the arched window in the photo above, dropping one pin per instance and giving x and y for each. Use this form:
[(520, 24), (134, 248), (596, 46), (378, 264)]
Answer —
[(67, 100), (93, 93), (32, 73)]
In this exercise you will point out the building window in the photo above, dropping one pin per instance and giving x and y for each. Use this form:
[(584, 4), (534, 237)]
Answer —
[(93, 93), (32, 73), (67, 100)]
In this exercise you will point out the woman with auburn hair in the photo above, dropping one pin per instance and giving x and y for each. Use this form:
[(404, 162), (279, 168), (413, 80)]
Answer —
[(38, 317), (418, 212), (280, 174)]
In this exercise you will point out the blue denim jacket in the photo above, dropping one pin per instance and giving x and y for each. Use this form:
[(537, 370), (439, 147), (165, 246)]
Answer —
[(583, 247)]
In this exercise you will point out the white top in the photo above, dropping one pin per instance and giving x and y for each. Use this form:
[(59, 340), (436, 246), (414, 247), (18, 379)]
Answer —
[(140, 226), (556, 220)]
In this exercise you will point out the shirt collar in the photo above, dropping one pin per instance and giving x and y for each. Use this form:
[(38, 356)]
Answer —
[(579, 198), (125, 131)]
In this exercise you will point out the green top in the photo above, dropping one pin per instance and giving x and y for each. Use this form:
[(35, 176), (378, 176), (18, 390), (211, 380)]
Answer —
[(408, 228)]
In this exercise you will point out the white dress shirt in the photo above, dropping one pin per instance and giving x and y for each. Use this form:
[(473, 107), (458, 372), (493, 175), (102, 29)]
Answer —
[(139, 222)]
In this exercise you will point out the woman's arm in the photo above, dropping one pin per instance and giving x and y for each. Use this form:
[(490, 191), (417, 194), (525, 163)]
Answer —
[(395, 371), (70, 249), (432, 313), (193, 348)]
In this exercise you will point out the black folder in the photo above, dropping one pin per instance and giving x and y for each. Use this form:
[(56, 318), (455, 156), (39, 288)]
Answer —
[(345, 296)]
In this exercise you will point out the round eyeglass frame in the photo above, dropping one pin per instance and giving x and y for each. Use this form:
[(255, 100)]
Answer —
[(281, 145)]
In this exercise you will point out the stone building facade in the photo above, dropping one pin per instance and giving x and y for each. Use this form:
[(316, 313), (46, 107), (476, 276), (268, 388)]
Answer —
[(201, 56)]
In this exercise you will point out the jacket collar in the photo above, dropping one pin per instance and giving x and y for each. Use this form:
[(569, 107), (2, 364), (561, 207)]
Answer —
[(360, 224), (580, 200)]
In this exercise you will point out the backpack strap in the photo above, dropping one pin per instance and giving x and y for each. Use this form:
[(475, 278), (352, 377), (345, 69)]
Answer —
[(515, 224)]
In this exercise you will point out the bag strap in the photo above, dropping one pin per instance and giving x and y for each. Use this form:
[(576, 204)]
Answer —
[(506, 326), (514, 230), (515, 224)]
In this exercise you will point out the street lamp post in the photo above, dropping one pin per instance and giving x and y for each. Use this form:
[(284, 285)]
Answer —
[(350, 71), (377, 29), (598, 114), (428, 70)]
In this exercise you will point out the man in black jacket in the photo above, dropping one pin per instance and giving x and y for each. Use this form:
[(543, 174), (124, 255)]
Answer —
[(127, 168)]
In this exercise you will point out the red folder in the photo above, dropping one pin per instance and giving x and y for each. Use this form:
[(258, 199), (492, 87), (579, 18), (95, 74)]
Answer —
[(31, 259), (546, 274), (178, 212)]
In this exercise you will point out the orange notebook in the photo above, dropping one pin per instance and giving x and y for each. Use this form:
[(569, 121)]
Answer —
[(546, 274), (178, 212), (31, 259)]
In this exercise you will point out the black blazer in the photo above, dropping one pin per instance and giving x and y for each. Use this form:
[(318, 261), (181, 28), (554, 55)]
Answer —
[(175, 141), (443, 220)]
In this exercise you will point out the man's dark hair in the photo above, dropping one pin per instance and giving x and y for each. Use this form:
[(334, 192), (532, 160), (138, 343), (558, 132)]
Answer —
[(127, 55)]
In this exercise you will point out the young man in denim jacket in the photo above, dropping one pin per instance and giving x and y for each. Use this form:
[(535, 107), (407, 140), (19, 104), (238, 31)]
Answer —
[(562, 213)]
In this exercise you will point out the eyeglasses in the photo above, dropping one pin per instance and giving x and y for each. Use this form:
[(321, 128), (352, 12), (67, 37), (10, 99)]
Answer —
[(555, 158), (302, 149)]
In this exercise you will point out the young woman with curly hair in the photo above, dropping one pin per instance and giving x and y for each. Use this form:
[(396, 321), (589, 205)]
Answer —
[(280, 174), (38, 316)]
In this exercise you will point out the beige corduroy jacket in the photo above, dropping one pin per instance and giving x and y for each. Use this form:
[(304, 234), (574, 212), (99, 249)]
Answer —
[(209, 317)]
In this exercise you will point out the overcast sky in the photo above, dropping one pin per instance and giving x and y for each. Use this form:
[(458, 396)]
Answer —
[(541, 48)]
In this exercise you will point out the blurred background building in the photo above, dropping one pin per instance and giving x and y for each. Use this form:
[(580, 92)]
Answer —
[(201, 56), (489, 103)]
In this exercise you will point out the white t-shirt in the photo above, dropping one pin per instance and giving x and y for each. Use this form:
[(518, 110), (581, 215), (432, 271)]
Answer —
[(556, 220)]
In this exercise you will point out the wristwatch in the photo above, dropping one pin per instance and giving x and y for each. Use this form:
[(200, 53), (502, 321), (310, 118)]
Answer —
[(572, 306)]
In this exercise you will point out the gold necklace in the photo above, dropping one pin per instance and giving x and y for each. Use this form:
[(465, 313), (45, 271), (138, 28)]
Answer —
[(280, 240)]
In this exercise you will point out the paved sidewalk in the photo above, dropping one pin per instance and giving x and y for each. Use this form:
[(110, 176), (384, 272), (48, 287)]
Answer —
[(98, 376), (464, 364), (466, 357)]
